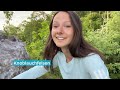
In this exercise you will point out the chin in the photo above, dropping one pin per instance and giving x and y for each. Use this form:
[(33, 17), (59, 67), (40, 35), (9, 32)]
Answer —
[(60, 46)]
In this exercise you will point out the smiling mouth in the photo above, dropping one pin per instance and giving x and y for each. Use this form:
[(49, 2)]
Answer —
[(60, 38)]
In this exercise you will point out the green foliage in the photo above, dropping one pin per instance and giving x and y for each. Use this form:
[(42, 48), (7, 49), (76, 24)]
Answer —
[(113, 30), (8, 15), (107, 39), (36, 47), (29, 28), (12, 30), (91, 22), (114, 70), (82, 13), (115, 76), (55, 75)]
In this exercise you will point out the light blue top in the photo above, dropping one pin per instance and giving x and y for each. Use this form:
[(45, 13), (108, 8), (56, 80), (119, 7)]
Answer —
[(90, 67)]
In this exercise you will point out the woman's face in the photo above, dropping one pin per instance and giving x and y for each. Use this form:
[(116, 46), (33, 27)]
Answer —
[(62, 30)]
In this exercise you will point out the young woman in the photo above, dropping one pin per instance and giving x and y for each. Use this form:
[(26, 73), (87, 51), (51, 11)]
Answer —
[(67, 49)]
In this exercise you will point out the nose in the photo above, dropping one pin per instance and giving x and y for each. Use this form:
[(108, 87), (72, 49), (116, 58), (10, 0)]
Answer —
[(60, 30)]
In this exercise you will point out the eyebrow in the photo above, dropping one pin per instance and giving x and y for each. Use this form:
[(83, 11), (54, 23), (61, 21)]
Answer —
[(64, 22)]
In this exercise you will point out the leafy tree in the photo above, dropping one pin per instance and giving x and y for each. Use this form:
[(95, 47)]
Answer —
[(8, 15), (107, 39), (36, 47)]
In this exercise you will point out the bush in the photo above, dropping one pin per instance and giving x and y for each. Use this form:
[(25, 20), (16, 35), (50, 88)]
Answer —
[(114, 70), (52, 75)]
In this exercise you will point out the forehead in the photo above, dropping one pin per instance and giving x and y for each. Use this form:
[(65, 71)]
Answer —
[(61, 16)]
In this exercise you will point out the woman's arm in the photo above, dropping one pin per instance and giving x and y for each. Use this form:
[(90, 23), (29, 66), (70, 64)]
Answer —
[(32, 73), (36, 71)]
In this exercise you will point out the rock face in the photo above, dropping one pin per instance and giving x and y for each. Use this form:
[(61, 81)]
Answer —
[(10, 49)]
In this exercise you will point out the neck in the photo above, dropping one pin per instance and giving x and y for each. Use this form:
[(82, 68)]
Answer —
[(67, 54)]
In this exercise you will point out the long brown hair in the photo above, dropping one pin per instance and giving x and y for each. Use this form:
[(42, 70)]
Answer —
[(78, 46)]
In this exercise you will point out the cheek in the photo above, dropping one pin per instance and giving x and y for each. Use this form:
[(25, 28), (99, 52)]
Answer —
[(52, 34), (70, 38), (70, 34)]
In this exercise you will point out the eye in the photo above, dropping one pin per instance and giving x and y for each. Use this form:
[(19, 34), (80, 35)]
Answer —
[(55, 26), (67, 26)]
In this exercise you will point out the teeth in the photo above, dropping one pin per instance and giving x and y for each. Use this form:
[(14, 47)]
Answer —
[(60, 38)]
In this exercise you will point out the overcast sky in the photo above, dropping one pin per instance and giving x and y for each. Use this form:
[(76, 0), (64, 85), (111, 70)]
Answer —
[(17, 17)]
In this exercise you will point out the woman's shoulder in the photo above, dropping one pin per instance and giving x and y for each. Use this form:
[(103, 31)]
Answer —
[(93, 61), (56, 58), (95, 66), (58, 54), (92, 57)]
